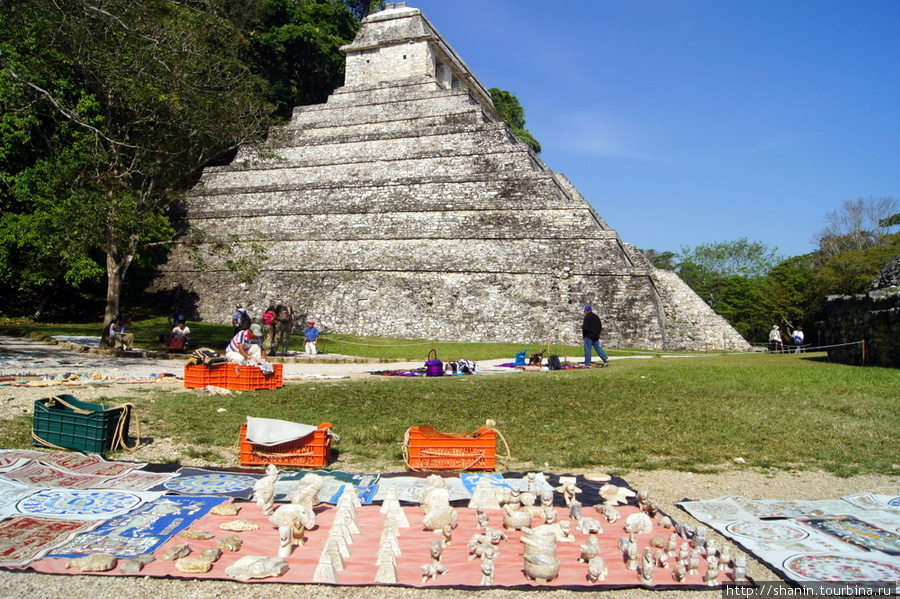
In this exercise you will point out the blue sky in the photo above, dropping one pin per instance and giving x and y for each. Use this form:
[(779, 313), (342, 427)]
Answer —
[(686, 122)]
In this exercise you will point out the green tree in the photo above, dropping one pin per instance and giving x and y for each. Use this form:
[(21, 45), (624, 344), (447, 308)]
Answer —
[(513, 115), (294, 46), (663, 260), (858, 225), (122, 103), (726, 258)]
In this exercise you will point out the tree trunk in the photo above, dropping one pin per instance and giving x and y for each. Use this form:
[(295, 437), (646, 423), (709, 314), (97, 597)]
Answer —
[(117, 264)]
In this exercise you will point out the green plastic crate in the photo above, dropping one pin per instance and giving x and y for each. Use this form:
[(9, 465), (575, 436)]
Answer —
[(65, 422)]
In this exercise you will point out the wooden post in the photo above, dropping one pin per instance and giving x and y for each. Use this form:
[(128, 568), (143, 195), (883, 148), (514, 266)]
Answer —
[(863, 345)]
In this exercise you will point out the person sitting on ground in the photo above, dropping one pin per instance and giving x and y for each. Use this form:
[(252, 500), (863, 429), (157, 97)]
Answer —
[(246, 347), (118, 338), (179, 338)]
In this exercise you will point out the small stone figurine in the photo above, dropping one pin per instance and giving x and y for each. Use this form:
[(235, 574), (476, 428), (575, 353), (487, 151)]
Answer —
[(264, 490)]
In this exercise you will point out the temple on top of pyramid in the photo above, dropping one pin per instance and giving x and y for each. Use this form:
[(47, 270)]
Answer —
[(404, 207)]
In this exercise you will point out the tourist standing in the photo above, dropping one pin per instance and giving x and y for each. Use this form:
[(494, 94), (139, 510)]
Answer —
[(798, 338), (776, 343), (312, 338), (284, 326), (591, 328), (240, 320), (268, 323)]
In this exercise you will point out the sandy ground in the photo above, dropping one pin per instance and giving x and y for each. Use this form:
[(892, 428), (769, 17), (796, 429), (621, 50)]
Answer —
[(667, 487)]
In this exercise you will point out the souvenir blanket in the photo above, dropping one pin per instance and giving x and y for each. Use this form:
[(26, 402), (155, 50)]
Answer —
[(855, 539), (26, 538), (142, 530), (221, 483), (359, 558), (37, 474)]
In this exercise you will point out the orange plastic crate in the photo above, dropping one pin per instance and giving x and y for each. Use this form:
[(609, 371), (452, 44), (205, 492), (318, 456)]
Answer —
[(249, 378), (196, 376), (428, 449), (312, 451), (218, 375)]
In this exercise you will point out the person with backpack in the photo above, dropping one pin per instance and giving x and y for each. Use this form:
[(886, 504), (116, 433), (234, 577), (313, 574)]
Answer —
[(284, 326), (268, 323), (240, 320), (798, 338), (591, 327)]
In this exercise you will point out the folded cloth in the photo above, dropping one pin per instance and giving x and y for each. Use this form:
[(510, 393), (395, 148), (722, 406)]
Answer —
[(267, 431)]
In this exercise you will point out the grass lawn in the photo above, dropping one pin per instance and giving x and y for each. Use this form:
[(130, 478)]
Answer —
[(695, 414)]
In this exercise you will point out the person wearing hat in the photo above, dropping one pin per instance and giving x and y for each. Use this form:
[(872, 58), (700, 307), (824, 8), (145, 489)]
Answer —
[(776, 343), (246, 347), (312, 338), (591, 328)]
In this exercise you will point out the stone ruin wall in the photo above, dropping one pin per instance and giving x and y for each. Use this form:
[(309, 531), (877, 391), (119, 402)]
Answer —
[(873, 317), (403, 207)]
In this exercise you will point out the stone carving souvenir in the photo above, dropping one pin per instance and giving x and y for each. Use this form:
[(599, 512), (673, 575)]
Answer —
[(679, 572), (334, 554), (483, 520), (508, 497), (725, 558), (541, 567), (562, 530), (665, 522), (531, 479), (656, 541), (196, 535), (226, 509), (638, 523), (694, 563), (597, 569), (598, 477), (647, 505), (515, 520), (539, 540), (176, 552), (387, 566), (589, 525), (660, 559), (447, 534), (740, 569), (96, 562), (672, 545), (211, 554), (568, 489), (136, 564), (712, 574), (435, 568), (589, 549), (614, 495), (325, 571), (255, 566), (684, 553), (608, 511), (631, 554), (487, 571), (484, 496), (575, 510), (645, 572), (193, 564), (232, 543), (550, 515), (264, 490), (239, 526)]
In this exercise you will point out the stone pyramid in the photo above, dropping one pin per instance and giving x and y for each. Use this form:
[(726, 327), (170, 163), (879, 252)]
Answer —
[(404, 207)]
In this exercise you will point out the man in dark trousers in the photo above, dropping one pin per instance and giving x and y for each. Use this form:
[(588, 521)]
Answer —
[(590, 330)]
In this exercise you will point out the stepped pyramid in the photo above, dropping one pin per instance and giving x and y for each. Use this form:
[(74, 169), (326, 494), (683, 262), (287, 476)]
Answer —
[(405, 207)]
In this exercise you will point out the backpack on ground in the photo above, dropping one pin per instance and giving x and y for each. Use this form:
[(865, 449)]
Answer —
[(207, 357), (554, 363), (245, 322)]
